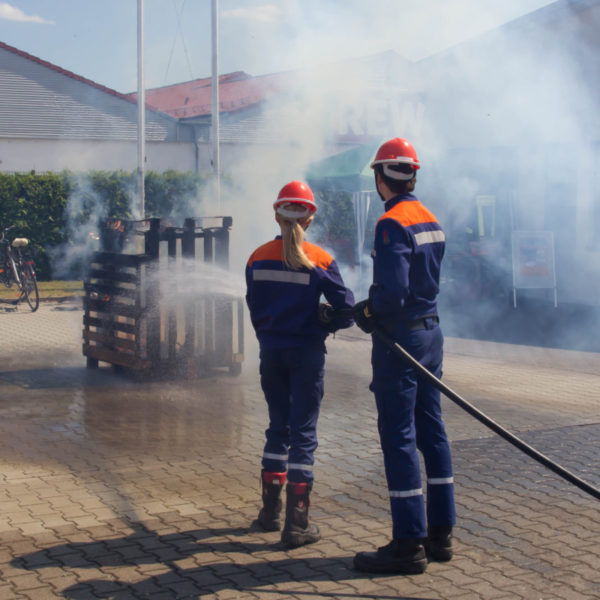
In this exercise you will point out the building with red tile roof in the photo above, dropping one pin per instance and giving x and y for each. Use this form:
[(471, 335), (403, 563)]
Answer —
[(237, 91)]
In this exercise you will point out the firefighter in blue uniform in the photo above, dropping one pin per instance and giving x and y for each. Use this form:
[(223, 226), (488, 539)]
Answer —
[(285, 279), (408, 250)]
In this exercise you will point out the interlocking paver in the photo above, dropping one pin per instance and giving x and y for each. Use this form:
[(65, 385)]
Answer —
[(112, 488)]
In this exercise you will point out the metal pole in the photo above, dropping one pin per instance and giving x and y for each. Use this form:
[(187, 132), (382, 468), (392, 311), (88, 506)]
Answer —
[(141, 103), (215, 102)]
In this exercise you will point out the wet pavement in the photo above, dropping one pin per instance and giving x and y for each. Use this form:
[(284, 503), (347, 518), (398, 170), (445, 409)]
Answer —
[(112, 488)]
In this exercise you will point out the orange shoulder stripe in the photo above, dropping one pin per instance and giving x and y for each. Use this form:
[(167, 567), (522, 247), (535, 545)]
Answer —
[(409, 213), (273, 251), (318, 256), (270, 251)]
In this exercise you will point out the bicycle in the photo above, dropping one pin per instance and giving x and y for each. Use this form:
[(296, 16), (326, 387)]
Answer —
[(16, 267)]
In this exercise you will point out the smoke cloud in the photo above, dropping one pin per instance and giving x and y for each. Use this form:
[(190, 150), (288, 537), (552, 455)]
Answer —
[(510, 122), (502, 124)]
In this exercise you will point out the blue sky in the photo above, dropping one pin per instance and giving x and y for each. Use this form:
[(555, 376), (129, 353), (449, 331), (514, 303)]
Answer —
[(98, 39)]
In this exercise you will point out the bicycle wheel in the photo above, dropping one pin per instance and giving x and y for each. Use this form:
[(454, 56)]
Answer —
[(29, 287), (6, 276)]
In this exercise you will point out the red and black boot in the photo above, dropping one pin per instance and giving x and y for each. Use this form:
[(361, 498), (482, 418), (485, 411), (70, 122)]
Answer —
[(269, 516), (297, 530)]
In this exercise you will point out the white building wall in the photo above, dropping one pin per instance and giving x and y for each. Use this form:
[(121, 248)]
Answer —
[(23, 155)]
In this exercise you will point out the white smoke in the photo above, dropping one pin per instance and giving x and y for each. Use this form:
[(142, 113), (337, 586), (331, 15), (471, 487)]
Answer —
[(83, 216), (509, 114)]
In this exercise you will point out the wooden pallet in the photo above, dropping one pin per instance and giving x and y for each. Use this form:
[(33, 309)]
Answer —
[(128, 323)]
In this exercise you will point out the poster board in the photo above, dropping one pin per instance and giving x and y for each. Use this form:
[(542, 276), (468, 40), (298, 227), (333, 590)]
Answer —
[(533, 261)]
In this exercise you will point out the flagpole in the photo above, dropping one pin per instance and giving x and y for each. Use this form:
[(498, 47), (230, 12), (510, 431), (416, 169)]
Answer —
[(215, 102), (141, 105)]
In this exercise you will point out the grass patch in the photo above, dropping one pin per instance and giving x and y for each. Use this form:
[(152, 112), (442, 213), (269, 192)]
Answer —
[(48, 289), (60, 289)]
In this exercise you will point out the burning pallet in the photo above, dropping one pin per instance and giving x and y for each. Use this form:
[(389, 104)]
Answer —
[(150, 305)]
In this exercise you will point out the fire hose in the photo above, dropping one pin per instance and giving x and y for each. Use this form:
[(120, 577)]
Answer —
[(483, 418), (480, 416)]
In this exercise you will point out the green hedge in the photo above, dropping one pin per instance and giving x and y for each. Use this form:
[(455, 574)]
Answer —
[(51, 209), (58, 211), (335, 225)]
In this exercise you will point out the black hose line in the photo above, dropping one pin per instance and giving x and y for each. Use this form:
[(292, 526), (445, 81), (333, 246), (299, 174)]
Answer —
[(515, 441)]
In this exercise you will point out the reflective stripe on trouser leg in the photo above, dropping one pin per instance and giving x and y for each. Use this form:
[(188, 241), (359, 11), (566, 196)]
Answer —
[(274, 463), (395, 388), (432, 440), (440, 501), (408, 514), (274, 380), (298, 473), (306, 395), (292, 381), (401, 460)]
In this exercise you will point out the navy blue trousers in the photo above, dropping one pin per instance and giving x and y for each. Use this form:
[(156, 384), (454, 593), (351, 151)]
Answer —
[(410, 420), (292, 381)]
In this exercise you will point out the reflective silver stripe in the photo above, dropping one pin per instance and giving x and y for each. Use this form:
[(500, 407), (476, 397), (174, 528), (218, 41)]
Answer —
[(282, 276), (300, 467), (440, 480), (429, 237), (407, 493), (275, 456)]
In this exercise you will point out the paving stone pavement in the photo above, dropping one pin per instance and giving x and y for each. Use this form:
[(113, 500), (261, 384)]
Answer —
[(112, 488)]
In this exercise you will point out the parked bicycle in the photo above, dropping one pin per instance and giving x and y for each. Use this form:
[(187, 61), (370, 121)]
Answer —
[(16, 268)]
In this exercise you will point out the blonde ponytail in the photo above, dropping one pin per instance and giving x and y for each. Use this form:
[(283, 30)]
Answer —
[(292, 234)]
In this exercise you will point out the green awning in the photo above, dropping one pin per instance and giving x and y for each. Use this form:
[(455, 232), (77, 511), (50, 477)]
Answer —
[(347, 171)]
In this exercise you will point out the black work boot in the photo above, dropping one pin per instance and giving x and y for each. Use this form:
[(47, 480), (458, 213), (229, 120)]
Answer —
[(297, 531), (404, 557), (438, 544), (269, 515)]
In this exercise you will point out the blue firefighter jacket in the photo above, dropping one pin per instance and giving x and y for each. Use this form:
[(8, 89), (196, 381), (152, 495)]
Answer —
[(284, 303), (407, 255)]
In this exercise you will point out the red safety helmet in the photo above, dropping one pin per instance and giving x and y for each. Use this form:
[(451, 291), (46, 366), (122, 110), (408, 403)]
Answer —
[(295, 192), (396, 151)]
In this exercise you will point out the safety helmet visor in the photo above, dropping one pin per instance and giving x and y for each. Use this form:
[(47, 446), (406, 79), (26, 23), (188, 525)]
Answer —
[(398, 174), (293, 210), (397, 151), (292, 196)]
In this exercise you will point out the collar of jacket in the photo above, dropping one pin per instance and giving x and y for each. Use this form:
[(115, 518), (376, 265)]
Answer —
[(396, 199)]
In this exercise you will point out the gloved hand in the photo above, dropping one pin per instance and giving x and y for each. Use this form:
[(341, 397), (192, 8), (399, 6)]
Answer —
[(325, 312), (327, 317), (363, 316)]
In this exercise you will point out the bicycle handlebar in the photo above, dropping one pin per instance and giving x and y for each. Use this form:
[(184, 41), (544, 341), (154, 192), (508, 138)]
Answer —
[(6, 230)]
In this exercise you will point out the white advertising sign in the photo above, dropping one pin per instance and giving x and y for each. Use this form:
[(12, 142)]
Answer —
[(533, 261)]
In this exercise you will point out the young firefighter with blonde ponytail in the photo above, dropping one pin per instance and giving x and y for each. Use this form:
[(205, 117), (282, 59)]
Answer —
[(285, 279)]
